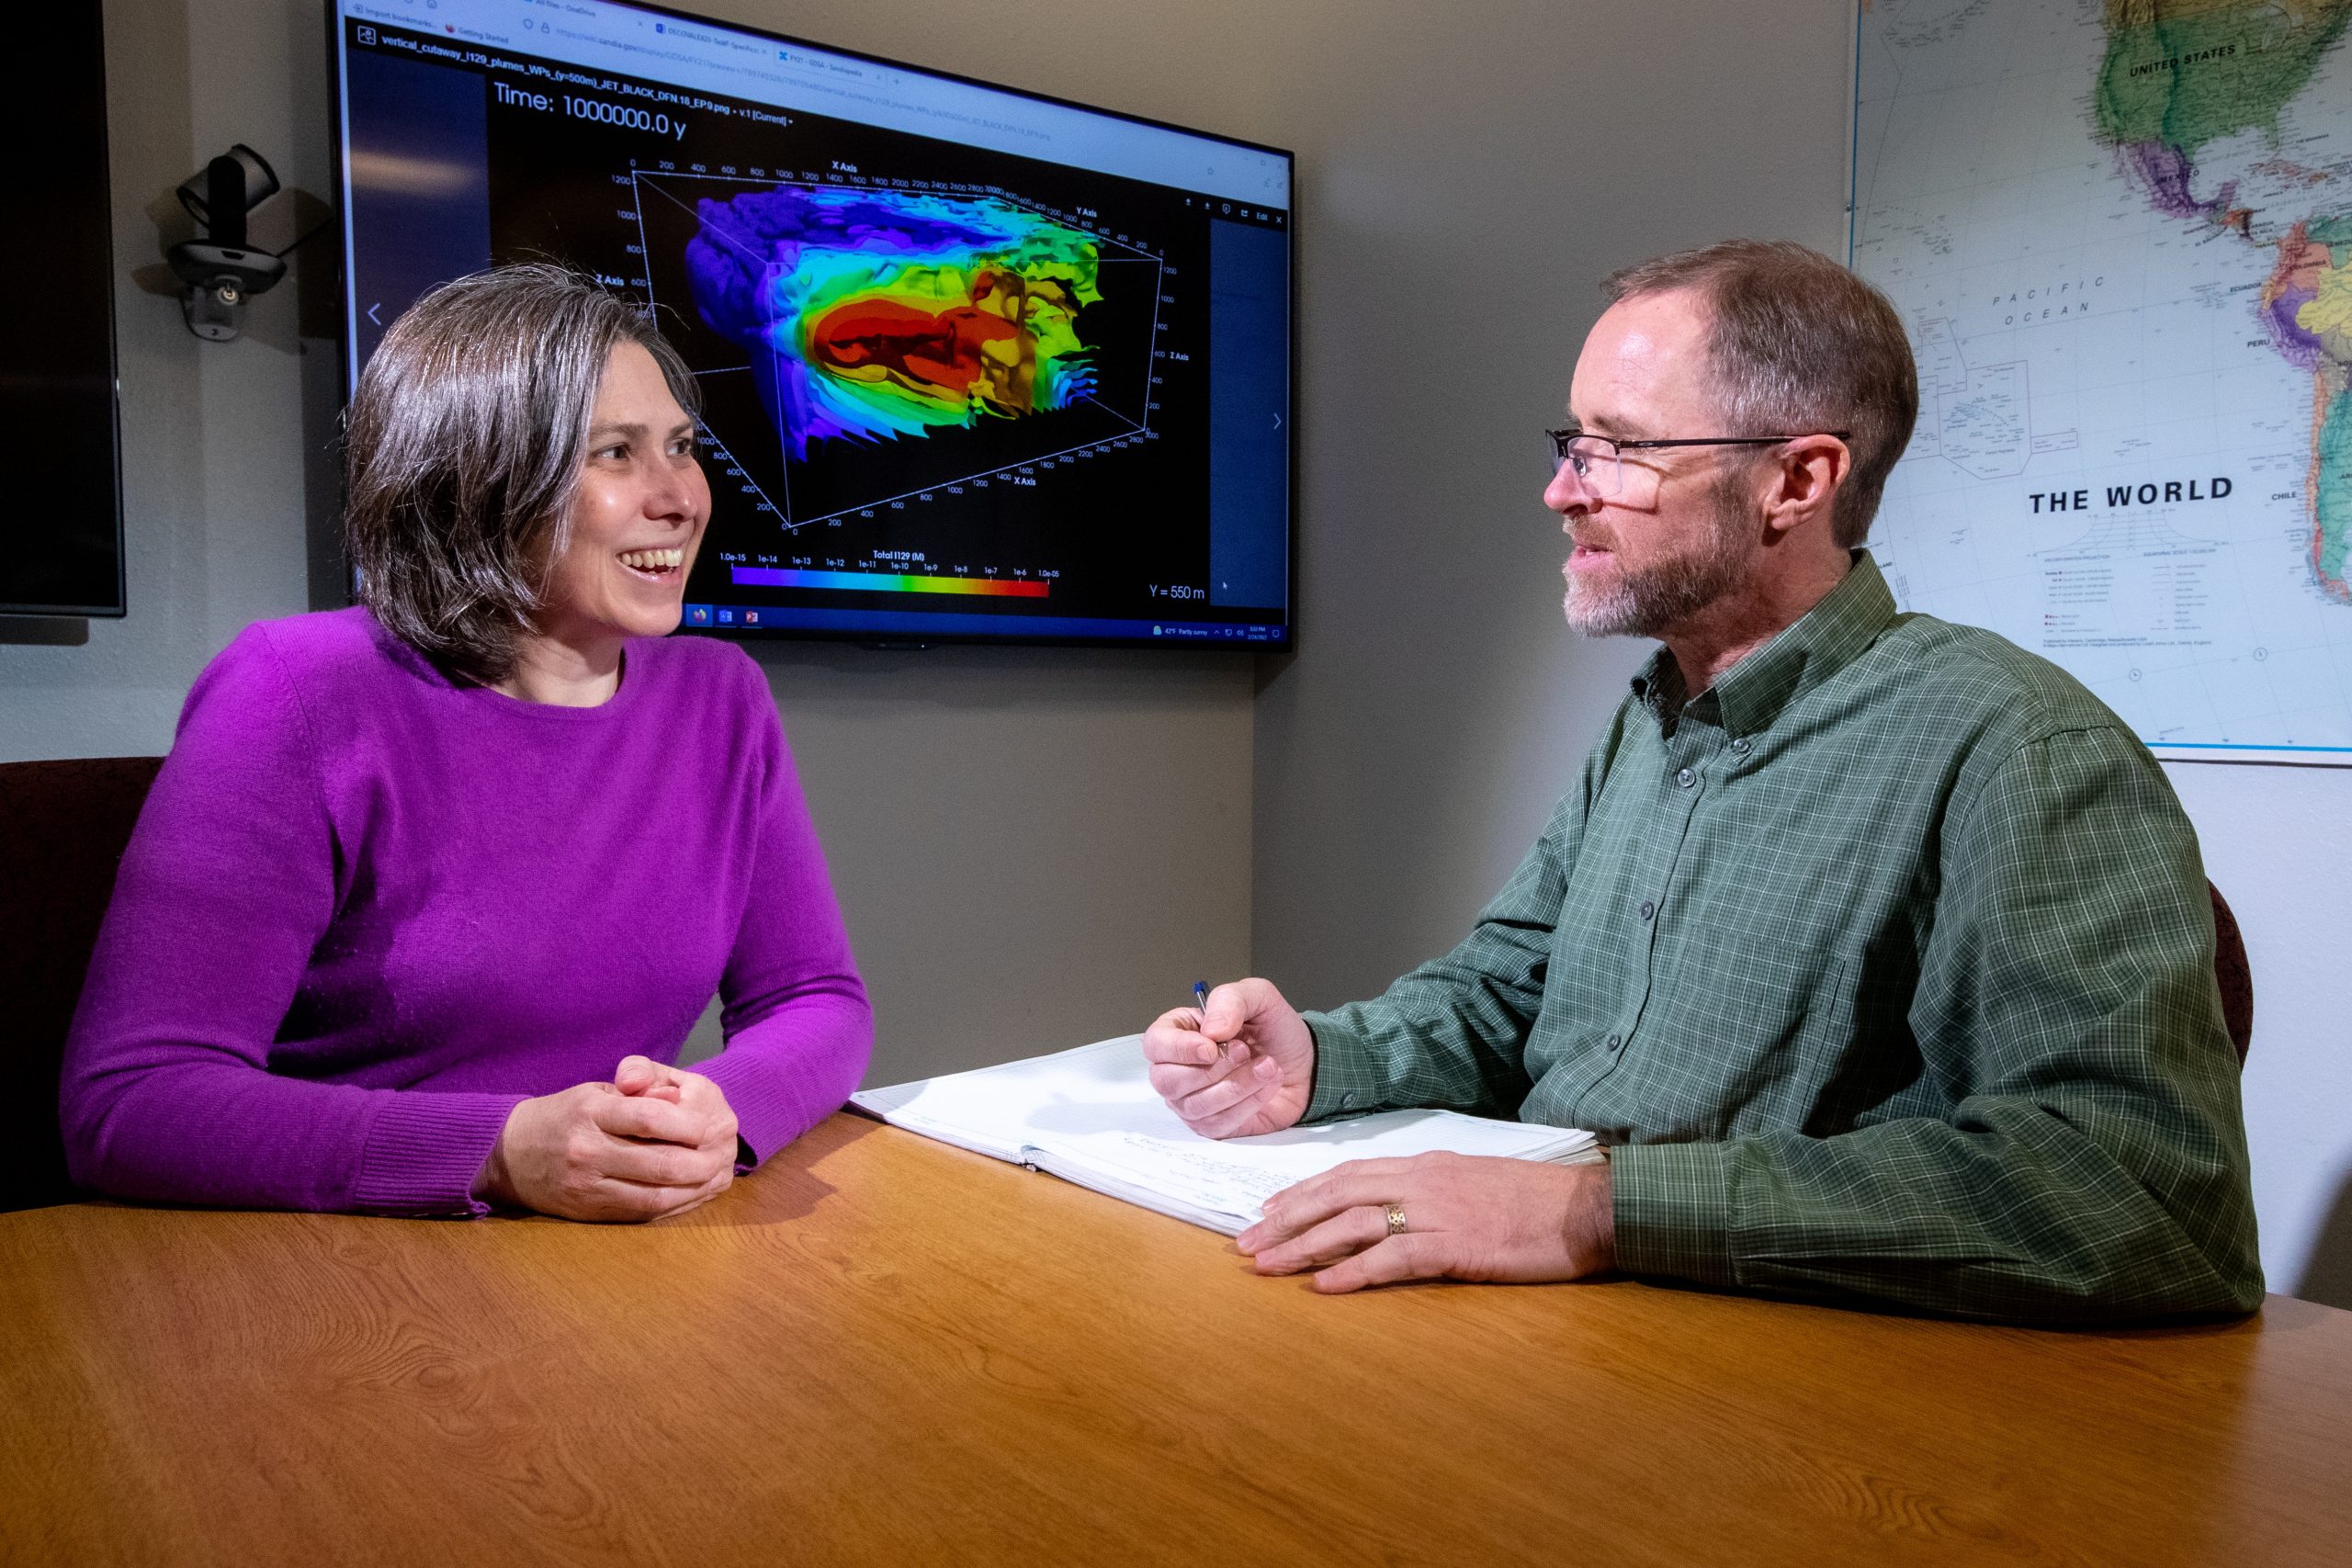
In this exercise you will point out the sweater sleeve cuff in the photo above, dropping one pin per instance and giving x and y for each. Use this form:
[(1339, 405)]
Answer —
[(770, 1108), (425, 1150), (1671, 1206), (1348, 1079)]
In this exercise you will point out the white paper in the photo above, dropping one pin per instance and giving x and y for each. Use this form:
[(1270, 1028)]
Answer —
[(1003, 1110), (1090, 1116)]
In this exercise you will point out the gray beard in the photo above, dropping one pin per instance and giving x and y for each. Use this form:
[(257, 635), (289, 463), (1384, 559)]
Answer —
[(1670, 592)]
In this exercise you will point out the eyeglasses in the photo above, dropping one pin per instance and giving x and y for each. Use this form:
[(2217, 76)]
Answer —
[(1599, 461)]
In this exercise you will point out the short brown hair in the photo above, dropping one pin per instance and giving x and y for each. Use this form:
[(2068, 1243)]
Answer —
[(1799, 344), (463, 447)]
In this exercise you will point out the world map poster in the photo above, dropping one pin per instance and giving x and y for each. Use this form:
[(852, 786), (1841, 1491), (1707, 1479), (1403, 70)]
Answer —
[(2119, 232)]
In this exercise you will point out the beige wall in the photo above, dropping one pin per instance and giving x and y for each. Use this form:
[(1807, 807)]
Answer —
[(1473, 175)]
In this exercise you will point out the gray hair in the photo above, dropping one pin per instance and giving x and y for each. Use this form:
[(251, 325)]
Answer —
[(463, 447), (1798, 344)]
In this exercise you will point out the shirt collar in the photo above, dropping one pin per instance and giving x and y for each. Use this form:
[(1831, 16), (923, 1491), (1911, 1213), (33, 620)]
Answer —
[(1822, 641)]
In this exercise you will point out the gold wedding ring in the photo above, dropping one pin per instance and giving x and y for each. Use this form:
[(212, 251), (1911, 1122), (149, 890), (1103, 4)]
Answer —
[(1396, 1219)]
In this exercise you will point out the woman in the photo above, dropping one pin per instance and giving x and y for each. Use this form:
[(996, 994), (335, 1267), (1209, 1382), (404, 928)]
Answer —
[(430, 890)]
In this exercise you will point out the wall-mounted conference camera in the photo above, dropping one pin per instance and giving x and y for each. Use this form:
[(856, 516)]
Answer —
[(220, 271)]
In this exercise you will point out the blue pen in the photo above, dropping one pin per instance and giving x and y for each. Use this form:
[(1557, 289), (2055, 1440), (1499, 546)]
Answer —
[(1201, 998)]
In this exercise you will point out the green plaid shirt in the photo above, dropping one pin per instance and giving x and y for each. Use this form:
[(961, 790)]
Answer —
[(1887, 965)]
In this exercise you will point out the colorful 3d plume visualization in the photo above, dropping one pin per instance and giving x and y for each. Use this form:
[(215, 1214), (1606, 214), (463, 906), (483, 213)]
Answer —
[(874, 314)]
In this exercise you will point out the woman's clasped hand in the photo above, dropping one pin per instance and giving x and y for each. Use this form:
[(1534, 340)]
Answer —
[(657, 1140)]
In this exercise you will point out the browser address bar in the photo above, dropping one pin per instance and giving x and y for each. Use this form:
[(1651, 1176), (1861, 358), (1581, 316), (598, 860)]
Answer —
[(683, 57), (811, 83)]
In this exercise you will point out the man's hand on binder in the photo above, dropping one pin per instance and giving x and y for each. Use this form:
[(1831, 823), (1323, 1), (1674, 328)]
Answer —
[(1437, 1216), (1244, 1066)]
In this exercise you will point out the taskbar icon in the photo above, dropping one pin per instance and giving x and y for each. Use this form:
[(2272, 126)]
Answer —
[(720, 615)]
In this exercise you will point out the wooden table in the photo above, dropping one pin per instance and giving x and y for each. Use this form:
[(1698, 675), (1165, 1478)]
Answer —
[(882, 1350)]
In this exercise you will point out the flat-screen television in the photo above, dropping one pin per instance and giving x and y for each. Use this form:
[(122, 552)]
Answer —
[(57, 369), (976, 364)]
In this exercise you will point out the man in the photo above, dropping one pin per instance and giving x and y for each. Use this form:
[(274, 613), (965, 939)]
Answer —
[(1875, 949)]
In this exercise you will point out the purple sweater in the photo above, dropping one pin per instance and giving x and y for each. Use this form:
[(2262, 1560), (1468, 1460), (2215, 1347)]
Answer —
[(369, 909)]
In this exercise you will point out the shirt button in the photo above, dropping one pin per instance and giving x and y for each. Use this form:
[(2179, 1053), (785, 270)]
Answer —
[(1347, 1100), (1615, 1041), (1685, 777), (1740, 747), (1648, 908)]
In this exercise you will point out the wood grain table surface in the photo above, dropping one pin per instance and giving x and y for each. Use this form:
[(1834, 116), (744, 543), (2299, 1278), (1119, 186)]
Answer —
[(881, 1349)]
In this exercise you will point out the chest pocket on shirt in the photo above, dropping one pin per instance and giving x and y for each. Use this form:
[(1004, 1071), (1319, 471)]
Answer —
[(1744, 1047)]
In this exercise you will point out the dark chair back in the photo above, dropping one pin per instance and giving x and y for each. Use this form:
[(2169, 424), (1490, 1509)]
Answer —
[(62, 828), (2232, 973)]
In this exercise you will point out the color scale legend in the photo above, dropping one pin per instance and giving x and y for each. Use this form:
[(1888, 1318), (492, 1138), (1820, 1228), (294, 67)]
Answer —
[(884, 582)]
